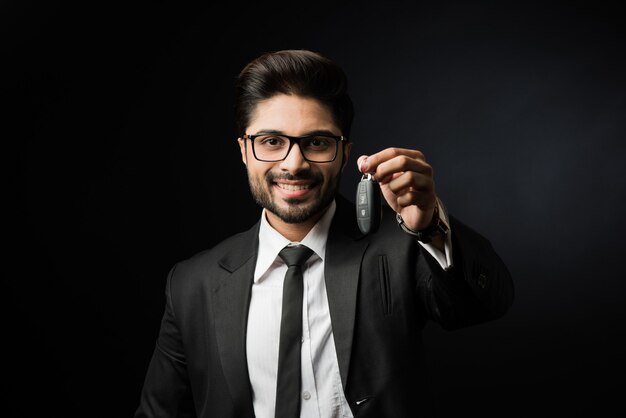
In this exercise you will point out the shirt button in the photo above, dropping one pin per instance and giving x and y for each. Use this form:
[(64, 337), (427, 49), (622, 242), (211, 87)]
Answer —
[(306, 396)]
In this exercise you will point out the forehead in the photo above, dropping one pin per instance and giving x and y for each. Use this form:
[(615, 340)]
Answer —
[(291, 115)]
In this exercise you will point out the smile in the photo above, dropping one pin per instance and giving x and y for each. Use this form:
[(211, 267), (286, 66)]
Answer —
[(293, 187), (294, 190)]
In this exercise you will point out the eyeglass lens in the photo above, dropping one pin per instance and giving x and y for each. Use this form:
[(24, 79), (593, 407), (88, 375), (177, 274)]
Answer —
[(316, 148)]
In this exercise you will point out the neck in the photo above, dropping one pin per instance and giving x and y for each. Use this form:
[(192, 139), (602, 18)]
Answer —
[(293, 232)]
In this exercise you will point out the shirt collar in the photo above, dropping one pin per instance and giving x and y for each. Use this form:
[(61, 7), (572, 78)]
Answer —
[(271, 241)]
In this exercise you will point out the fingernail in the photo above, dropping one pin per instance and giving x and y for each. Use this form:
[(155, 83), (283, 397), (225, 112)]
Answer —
[(364, 166)]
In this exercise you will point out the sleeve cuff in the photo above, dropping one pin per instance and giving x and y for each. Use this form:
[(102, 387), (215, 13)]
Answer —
[(443, 258)]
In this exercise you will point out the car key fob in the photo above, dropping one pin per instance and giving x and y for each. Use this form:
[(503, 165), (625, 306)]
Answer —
[(368, 204)]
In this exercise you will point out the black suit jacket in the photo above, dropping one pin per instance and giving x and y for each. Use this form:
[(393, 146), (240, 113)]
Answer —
[(382, 288)]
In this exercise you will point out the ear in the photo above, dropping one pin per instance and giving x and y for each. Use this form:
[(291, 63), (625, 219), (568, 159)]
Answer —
[(346, 154), (243, 148)]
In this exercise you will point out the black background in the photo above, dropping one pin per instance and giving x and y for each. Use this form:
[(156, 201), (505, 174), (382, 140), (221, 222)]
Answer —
[(120, 115)]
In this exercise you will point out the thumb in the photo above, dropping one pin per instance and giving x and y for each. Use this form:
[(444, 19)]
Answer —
[(362, 164)]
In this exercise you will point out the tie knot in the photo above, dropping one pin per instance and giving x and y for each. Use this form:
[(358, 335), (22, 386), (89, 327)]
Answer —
[(296, 255)]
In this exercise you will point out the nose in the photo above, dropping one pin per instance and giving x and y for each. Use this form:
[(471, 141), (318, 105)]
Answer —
[(294, 161)]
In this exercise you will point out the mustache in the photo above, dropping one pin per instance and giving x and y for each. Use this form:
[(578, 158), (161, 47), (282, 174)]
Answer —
[(303, 175)]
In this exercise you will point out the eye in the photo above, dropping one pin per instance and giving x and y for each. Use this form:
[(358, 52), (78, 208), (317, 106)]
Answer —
[(319, 142), (271, 141)]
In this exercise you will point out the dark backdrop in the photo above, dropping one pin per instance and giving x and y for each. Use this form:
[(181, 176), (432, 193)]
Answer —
[(120, 115)]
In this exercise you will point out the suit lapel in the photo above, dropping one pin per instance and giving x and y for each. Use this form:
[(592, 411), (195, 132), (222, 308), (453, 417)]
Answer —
[(231, 301), (344, 253)]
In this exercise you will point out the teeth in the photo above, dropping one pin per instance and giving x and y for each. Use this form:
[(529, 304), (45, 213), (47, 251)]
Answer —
[(293, 186)]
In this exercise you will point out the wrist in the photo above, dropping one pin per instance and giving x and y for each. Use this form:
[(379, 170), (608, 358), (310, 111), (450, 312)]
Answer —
[(436, 229)]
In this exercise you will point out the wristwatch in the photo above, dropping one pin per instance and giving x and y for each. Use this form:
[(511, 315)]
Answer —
[(438, 226)]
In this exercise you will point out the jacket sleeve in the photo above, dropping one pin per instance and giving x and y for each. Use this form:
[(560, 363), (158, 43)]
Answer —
[(166, 391), (477, 288)]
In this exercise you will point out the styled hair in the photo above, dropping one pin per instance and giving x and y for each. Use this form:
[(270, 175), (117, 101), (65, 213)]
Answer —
[(293, 72)]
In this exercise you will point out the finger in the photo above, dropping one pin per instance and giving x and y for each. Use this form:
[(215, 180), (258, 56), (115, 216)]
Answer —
[(360, 161), (411, 181), (411, 188), (402, 163), (370, 163), (422, 200)]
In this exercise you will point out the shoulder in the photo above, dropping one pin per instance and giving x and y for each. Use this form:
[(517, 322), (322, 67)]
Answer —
[(204, 264)]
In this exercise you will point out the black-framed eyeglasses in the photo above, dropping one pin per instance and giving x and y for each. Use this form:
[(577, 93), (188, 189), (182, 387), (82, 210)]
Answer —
[(314, 148)]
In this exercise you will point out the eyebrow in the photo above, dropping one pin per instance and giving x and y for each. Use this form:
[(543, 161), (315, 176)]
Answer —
[(309, 133)]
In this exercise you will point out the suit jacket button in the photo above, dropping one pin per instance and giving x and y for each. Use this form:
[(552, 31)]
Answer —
[(481, 280)]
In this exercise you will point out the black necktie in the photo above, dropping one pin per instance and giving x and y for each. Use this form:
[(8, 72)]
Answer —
[(288, 382)]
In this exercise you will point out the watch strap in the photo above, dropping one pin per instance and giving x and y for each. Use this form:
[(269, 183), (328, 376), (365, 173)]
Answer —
[(438, 226)]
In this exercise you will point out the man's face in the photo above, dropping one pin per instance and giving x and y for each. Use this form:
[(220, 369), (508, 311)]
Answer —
[(294, 190)]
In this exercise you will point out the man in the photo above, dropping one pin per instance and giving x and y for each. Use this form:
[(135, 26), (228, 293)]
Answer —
[(221, 351)]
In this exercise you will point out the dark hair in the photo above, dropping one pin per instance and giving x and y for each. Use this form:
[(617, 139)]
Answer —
[(294, 72)]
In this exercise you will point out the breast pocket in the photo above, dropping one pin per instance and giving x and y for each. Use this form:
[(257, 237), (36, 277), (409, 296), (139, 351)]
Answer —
[(385, 285)]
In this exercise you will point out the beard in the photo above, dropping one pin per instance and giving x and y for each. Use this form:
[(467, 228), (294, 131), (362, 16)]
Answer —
[(298, 211)]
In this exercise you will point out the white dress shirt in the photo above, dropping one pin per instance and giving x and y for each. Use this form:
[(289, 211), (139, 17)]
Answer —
[(321, 390)]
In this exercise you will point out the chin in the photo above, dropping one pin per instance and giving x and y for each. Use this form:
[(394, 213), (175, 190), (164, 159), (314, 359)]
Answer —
[(296, 212)]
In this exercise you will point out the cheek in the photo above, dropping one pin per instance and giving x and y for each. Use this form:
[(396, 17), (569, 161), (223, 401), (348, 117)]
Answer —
[(330, 175)]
